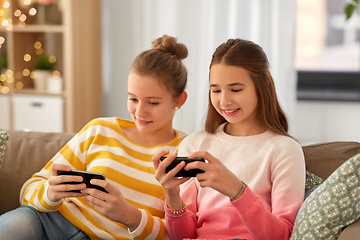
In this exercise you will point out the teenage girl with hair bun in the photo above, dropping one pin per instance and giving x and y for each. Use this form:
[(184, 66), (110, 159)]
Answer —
[(254, 175), (133, 208)]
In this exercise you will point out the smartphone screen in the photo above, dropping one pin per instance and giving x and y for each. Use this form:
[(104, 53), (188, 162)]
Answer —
[(183, 172), (87, 176)]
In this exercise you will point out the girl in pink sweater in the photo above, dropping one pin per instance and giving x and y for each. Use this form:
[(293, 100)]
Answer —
[(254, 175)]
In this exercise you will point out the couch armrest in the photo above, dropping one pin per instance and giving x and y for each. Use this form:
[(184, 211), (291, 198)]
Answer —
[(351, 232), (324, 158), (25, 154)]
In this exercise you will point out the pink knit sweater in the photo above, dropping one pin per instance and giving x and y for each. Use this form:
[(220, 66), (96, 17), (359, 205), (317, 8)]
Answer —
[(273, 168)]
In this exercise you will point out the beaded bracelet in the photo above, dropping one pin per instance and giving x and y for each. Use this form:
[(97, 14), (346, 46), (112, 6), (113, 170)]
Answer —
[(176, 213), (238, 193)]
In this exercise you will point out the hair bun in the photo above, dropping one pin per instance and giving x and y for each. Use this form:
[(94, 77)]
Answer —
[(170, 44)]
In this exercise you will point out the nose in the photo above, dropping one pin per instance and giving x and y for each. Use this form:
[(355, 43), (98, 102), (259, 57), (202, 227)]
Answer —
[(141, 111), (225, 100)]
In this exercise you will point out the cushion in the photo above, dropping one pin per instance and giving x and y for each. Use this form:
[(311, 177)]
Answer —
[(4, 137), (332, 205), (311, 183)]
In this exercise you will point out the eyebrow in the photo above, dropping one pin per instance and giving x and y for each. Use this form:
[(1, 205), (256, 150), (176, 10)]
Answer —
[(129, 93), (231, 84)]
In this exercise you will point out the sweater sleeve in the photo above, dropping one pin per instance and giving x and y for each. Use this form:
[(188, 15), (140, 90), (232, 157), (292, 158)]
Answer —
[(150, 227), (265, 225), (184, 226), (287, 194), (34, 191)]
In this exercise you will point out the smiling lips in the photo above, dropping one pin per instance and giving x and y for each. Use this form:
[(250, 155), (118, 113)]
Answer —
[(143, 122), (230, 112)]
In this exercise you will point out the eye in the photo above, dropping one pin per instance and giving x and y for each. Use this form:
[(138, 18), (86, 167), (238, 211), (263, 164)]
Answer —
[(216, 91), (133, 99), (153, 103), (237, 90)]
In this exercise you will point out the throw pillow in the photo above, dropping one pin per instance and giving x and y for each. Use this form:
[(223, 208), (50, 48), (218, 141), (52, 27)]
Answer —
[(3, 140), (332, 205), (311, 183)]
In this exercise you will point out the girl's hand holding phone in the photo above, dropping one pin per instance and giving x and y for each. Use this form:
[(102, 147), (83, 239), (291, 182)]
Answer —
[(168, 181), (112, 204), (57, 190), (216, 175)]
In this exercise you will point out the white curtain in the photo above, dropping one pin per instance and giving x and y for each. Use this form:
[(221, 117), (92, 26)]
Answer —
[(129, 27)]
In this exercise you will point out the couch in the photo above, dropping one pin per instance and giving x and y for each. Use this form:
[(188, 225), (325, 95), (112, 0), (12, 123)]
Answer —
[(27, 152)]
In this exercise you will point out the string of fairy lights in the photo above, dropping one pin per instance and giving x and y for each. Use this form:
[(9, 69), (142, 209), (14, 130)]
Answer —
[(7, 76)]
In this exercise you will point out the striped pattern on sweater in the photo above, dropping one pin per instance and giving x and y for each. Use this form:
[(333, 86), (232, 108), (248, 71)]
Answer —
[(102, 147)]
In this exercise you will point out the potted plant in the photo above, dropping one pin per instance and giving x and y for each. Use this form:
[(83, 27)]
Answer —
[(43, 69), (3, 66)]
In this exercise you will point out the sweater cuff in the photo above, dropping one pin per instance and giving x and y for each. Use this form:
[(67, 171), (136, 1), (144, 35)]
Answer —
[(140, 228), (52, 204), (245, 201), (175, 213)]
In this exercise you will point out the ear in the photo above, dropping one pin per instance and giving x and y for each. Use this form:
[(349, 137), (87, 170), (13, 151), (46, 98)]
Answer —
[(181, 99)]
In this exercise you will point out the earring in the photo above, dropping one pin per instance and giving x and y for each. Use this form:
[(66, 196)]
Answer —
[(176, 108)]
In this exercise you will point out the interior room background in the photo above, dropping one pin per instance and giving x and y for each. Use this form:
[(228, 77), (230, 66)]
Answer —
[(129, 27), (294, 34), (314, 55)]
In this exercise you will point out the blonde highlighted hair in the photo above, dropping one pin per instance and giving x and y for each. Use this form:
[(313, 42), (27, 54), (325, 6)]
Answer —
[(164, 61)]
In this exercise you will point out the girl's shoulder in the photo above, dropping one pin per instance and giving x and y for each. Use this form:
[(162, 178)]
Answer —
[(285, 142), (283, 139), (198, 134), (196, 137), (180, 134), (101, 121), (98, 125)]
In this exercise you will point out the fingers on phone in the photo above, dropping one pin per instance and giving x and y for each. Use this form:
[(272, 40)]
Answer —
[(71, 183), (99, 184), (56, 167), (75, 188), (193, 165), (71, 179), (177, 168)]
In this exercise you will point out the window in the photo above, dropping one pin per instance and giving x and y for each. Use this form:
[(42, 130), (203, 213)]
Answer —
[(327, 51)]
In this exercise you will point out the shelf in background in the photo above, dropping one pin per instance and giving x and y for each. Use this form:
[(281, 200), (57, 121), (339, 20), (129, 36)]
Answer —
[(39, 28), (35, 92)]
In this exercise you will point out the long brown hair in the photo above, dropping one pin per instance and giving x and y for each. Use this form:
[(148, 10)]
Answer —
[(251, 57), (163, 60)]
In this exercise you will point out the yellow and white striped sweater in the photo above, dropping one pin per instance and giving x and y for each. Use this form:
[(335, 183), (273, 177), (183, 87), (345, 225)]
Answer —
[(102, 147)]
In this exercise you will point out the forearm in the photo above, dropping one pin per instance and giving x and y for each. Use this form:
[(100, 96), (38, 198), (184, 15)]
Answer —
[(181, 227), (184, 223), (132, 218), (266, 224), (173, 200)]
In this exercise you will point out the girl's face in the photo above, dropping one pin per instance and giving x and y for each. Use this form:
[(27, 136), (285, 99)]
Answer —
[(233, 95), (150, 104)]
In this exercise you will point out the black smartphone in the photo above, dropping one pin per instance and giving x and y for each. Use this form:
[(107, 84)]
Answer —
[(87, 176), (183, 172)]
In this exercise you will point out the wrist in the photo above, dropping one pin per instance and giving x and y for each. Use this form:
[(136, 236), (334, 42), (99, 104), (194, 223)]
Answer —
[(134, 218), (175, 212), (173, 200), (239, 192)]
